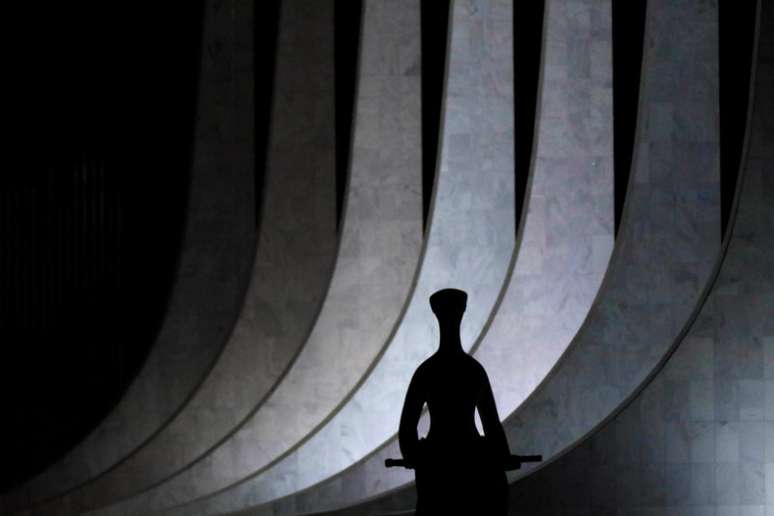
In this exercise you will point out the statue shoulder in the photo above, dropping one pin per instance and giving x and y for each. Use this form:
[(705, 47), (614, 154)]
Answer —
[(477, 368), (423, 370), (474, 364), (425, 367)]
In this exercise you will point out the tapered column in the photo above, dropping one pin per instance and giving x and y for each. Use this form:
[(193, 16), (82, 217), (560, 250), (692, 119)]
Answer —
[(667, 245), (469, 246), (701, 434), (378, 254), (565, 241)]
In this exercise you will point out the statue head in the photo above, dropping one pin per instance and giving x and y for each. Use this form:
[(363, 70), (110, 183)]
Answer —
[(448, 305)]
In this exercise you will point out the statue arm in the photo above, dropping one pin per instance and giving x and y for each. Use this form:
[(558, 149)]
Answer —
[(490, 420), (408, 438)]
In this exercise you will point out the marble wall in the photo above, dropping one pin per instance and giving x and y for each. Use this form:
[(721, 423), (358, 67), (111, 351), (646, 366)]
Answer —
[(667, 246), (379, 248), (218, 249), (470, 241), (699, 439), (565, 240)]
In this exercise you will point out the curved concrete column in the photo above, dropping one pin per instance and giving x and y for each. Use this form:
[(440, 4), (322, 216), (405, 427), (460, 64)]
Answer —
[(668, 242), (290, 275), (379, 252), (666, 248), (566, 236), (469, 245), (701, 433), (218, 248)]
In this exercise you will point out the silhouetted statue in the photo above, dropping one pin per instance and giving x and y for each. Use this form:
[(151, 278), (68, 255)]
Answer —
[(457, 470)]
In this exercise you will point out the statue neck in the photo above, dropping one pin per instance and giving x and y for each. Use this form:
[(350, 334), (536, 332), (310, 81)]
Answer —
[(450, 338)]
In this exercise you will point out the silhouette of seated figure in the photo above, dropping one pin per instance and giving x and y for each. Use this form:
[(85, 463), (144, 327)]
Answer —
[(457, 470)]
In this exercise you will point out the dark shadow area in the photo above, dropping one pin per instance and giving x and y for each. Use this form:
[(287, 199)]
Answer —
[(737, 30), (93, 209), (628, 41), (347, 20), (435, 34), (265, 35), (527, 48)]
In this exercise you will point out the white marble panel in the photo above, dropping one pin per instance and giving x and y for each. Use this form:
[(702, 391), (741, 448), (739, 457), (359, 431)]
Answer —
[(470, 242), (566, 237), (217, 252), (668, 244), (378, 255), (724, 348)]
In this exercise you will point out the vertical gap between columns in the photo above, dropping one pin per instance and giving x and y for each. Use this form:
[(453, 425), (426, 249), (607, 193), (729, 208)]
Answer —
[(347, 21), (434, 36), (628, 41), (527, 49), (266, 31), (736, 32)]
